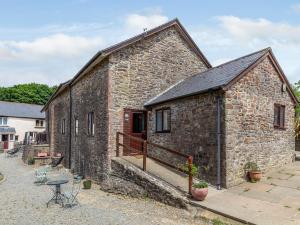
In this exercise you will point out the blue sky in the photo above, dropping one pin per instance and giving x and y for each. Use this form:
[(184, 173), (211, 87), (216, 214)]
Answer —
[(49, 41)]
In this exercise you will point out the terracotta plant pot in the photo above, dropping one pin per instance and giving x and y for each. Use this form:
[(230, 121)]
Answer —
[(199, 193), (255, 176)]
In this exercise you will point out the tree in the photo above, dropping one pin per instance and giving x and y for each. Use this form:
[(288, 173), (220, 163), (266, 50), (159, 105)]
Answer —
[(27, 93)]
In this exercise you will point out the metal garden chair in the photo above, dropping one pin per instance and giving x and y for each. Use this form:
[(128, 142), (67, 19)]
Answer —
[(70, 197)]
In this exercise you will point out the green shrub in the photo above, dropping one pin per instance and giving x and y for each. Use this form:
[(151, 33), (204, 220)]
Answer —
[(194, 170), (30, 161), (297, 127), (251, 166), (200, 184)]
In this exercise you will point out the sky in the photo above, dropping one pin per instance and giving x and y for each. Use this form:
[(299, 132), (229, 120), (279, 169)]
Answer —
[(49, 41)]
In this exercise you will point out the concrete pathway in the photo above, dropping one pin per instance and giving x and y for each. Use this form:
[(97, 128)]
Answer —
[(273, 201), (23, 203)]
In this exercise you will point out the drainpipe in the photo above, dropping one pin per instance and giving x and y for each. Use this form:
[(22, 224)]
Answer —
[(70, 126), (219, 109)]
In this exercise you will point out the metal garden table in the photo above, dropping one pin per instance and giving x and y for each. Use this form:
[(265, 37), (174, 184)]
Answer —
[(57, 197)]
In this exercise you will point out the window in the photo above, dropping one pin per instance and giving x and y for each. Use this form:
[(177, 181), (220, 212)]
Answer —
[(39, 123), (91, 126), (279, 116), (3, 121), (16, 137), (63, 126), (11, 137), (76, 127), (163, 119)]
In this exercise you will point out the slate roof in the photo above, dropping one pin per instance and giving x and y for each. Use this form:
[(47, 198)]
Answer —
[(211, 79), (100, 55), (5, 130), (22, 110)]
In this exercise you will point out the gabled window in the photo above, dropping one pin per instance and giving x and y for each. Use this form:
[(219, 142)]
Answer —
[(3, 121), (76, 127), (63, 126), (279, 116), (163, 120), (91, 125)]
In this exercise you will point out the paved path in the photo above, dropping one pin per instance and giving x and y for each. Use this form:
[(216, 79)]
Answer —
[(23, 203), (273, 201)]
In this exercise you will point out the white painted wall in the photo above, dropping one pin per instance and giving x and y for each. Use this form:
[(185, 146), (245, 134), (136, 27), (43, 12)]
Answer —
[(23, 125)]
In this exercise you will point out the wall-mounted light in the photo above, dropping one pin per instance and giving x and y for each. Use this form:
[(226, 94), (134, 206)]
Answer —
[(126, 116)]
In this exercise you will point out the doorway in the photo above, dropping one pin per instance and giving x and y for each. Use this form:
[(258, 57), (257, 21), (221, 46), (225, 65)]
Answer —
[(135, 124), (4, 139)]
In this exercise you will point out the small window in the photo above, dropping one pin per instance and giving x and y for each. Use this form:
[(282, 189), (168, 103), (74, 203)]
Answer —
[(63, 126), (3, 121), (11, 137), (91, 125), (163, 119), (279, 116), (16, 137), (76, 127), (39, 123)]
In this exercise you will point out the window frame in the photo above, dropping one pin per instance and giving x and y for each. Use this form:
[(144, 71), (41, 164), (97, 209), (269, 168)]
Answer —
[(76, 127), (91, 124), (162, 120), (11, 137), (63, 126), (39, 123), (2, 121), (279, 116)]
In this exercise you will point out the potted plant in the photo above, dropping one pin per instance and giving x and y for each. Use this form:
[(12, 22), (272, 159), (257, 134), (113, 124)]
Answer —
[(31, 161), (199, 190), (253, 172), (87, 184)]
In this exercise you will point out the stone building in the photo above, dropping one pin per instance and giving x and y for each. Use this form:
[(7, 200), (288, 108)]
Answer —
[(160, 87)]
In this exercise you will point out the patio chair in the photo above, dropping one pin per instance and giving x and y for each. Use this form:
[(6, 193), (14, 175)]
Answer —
[(70, 198), (41, 175), (13, 152), (56, 162)]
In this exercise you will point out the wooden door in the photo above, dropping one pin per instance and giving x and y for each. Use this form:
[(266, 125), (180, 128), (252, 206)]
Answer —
[(5, 141), (136, 126)]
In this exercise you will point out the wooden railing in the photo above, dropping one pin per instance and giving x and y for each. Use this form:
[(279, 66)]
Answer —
[(144, 152)]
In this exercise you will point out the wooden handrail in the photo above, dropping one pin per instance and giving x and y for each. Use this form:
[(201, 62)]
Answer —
[(145, 143)]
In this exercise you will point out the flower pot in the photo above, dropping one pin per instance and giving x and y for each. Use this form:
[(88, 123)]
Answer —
[(255, 176), (199, 193), (87, 184)]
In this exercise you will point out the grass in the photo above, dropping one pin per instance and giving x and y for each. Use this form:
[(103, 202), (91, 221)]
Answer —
[(286, 206), (268, 178), (218, 222), (1, 176)]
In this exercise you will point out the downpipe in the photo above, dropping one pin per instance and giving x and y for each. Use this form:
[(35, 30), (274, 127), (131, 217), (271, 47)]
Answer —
[(219, 113)]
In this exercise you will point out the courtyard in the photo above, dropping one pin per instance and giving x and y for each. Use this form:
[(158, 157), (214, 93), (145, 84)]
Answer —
[(24, 203)]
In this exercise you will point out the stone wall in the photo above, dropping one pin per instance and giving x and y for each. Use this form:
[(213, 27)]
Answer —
[(58, 110), (31, 151), (143, 70), (250, 132), (298, 145), (130, 180), (193, 131), (89, 153)]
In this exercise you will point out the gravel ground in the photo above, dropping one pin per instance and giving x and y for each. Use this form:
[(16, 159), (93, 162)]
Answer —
[(24, 203)]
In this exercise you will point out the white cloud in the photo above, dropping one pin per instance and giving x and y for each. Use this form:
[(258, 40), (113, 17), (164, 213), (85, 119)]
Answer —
[(232, 37), (137, 23), (58, 45), (296, 8)]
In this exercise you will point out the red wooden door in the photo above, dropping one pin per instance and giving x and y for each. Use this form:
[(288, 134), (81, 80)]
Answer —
[(136, 127), (5, 145)]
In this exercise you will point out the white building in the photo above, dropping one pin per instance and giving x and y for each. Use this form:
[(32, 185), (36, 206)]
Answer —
[(18, 119)]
